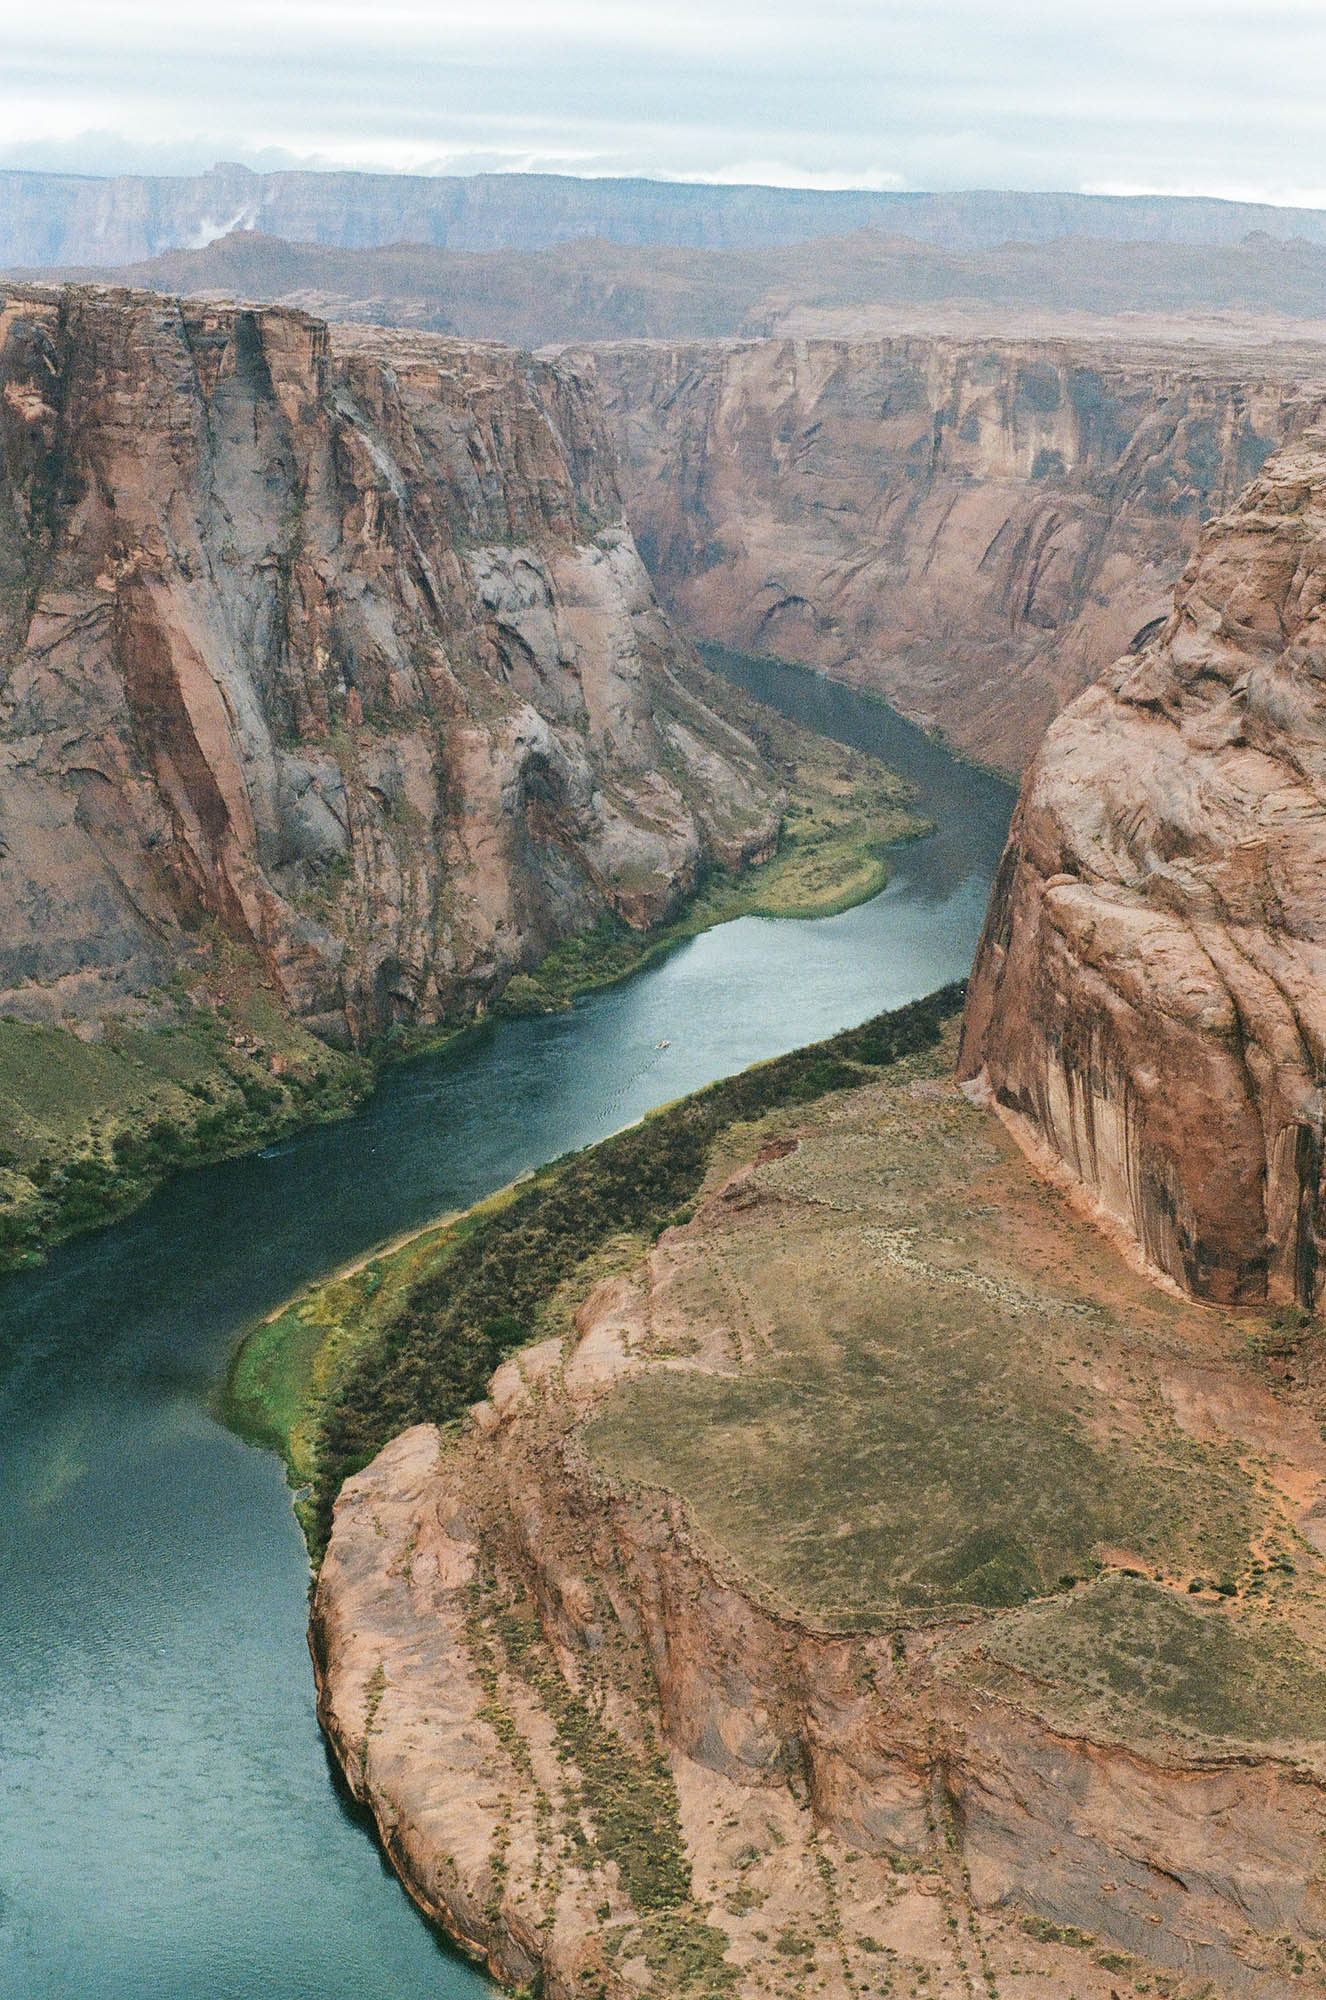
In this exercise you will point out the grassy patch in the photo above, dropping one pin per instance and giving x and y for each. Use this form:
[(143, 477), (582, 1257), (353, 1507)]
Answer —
[(925, 1419), (1126, 1656), (89, 1130), (844, 811), (923, 1463)]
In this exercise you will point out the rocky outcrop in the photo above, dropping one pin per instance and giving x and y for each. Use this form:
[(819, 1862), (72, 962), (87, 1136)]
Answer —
[(509, 1625), (973, 529), (1149, 1000), (334, 646)]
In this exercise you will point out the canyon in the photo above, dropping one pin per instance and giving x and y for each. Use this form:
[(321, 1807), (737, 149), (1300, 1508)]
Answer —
[(973, 529), (335, 647), (860, 1572), (968, 481)]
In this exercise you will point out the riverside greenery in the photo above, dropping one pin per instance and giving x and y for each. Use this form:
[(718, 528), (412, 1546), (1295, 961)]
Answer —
[(429, 1355)]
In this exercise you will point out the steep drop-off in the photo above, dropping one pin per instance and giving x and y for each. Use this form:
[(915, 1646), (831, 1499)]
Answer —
[(1149, 1002), (336, 647), (873, 1587), (974, 530)]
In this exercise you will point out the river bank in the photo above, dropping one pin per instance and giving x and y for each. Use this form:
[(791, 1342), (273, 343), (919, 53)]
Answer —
[(90, 1129), (412, 1334)]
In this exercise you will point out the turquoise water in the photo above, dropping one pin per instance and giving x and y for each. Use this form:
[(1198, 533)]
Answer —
[(169, 1825)]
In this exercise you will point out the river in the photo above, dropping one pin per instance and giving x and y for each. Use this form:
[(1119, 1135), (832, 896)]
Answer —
[(169, 1825)]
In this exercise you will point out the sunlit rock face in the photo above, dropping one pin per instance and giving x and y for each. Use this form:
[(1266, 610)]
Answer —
[(335, 645), (974, 529), (1149, 1000)]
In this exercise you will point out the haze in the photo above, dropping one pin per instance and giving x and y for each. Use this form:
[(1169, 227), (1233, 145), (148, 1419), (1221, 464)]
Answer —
[(1171, 96)]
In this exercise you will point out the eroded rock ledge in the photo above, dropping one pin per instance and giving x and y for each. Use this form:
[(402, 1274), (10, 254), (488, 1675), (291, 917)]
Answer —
[(628, 1702), (1149, 1000)]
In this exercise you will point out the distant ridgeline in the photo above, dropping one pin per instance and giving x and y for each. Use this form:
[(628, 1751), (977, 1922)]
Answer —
[(50, 219)]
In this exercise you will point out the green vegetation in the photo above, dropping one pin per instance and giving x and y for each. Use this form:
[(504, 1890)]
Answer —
[(286, 1366), (402, 1342), (619, 1806), (89, 1129), (1128, 1658), (845, 810)]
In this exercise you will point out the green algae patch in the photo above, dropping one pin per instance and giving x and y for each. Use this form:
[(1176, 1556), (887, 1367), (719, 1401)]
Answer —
[(286, 1367), (1128, 1659)]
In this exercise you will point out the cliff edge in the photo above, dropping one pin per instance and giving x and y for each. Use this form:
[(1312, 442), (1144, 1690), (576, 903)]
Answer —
[(1149, 1000), (335, 646), (871, 1587)]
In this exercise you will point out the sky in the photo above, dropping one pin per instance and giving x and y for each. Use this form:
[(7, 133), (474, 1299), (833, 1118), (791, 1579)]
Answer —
[(1221, 97)]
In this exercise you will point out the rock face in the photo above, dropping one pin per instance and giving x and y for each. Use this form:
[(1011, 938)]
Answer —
[(512, 1623), (973, 529), (1149, 1000), (334, 646)]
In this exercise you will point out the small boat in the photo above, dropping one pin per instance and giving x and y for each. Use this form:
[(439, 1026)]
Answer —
[(662, 1045)]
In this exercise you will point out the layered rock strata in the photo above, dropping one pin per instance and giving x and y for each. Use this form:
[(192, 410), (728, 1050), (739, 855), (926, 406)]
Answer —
[(1149, 1000), (974, 529), (336, 646)]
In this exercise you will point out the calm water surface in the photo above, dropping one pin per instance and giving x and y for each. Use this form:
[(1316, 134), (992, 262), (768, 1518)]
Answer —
[(168, 1823)]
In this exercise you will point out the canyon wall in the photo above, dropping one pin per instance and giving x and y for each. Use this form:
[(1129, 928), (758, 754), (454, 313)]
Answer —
[(1149, 1000), (973, 529), (332, 646)]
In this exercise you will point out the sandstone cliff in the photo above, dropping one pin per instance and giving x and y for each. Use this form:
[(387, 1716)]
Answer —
[(1149, 1001), (975, 530), (728, 1647), (336, 646)]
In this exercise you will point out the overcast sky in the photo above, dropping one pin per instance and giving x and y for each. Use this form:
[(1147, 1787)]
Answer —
[(1222, 97)]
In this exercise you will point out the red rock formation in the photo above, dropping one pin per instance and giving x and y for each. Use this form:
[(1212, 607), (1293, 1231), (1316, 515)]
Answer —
[(973, 529), (1149, 1001), (338, 643)]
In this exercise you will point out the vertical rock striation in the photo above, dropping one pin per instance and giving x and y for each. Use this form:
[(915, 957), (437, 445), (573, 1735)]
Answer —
[(1149, 999), (974, 529), (336, 645)]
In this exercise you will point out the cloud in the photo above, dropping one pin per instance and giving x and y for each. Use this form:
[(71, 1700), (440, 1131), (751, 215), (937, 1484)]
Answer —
[(1205, 95)]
